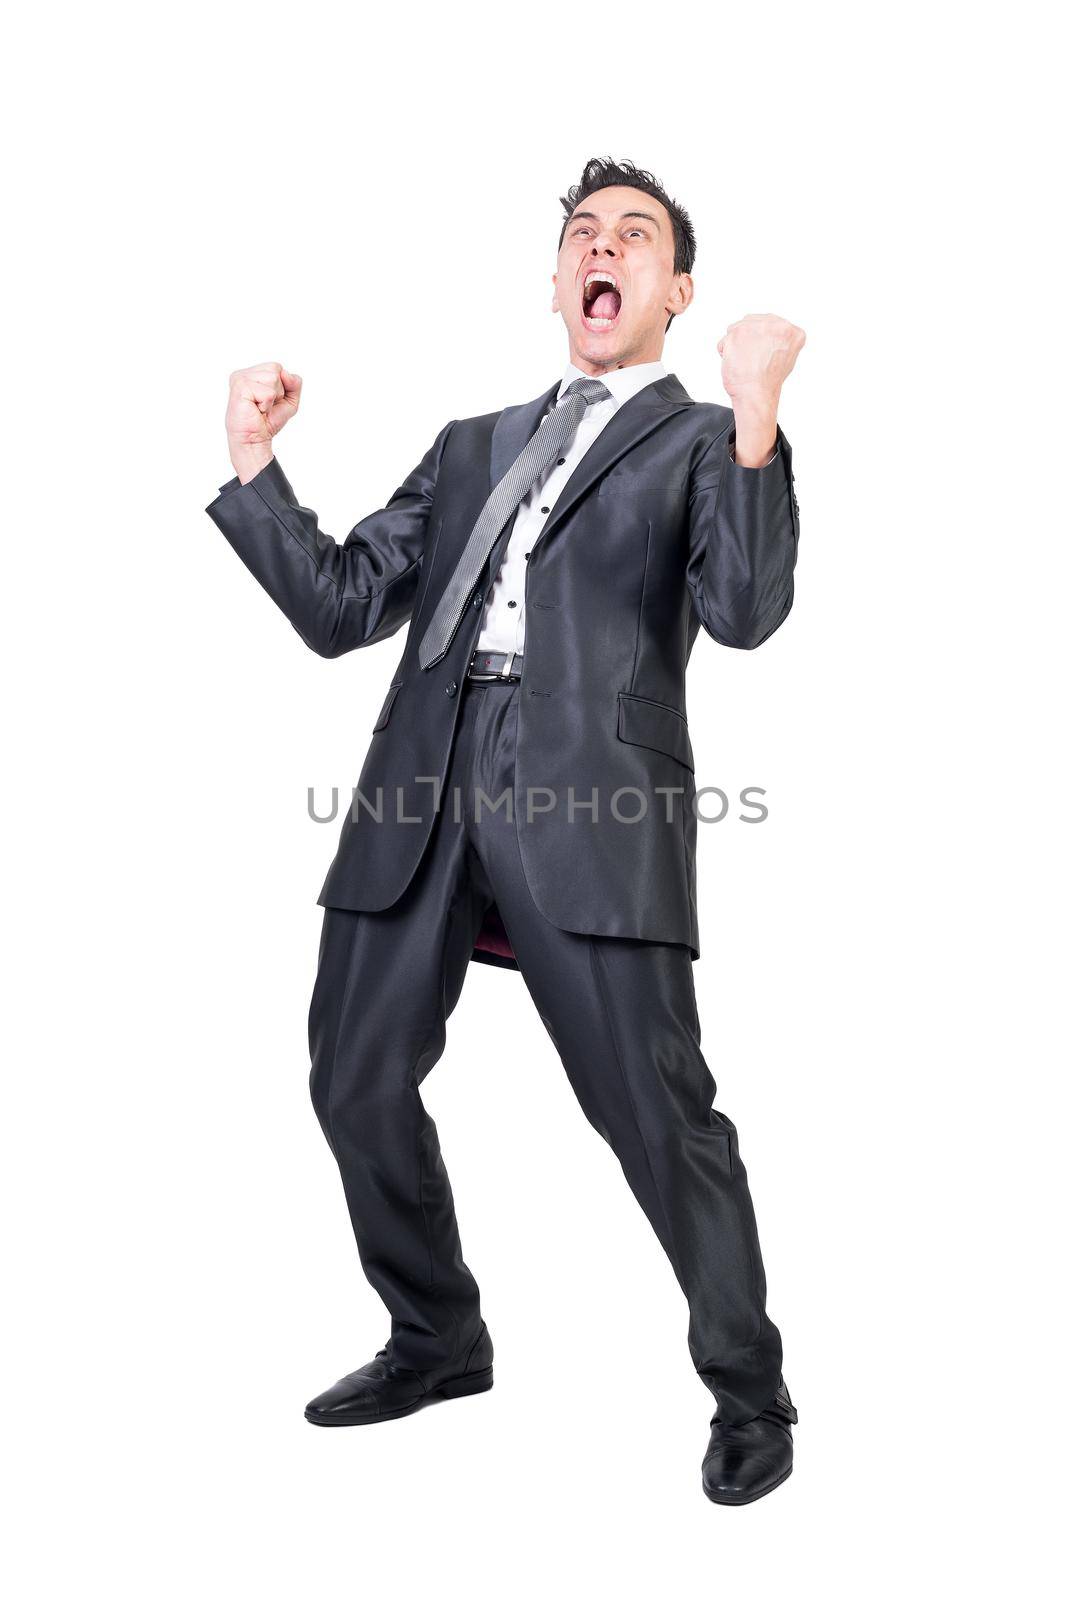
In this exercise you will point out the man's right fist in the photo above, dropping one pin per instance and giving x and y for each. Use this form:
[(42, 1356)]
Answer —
[(262, 400)]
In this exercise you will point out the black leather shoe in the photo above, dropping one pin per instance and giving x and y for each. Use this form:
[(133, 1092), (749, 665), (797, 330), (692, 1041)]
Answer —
[(745, 1460), (380, 1391)]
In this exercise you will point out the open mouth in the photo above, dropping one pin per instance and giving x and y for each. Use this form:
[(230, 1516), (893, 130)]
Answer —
[(601, 300)]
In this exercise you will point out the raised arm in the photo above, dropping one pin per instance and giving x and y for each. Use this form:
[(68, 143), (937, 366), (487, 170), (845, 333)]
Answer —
[(743, 511), (338, 597)]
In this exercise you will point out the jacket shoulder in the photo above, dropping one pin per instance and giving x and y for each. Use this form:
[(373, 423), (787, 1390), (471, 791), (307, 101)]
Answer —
[(707, 417), (475, 430), (486, 419)]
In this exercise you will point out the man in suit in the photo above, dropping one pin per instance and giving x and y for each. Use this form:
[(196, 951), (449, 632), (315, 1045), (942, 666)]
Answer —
[(528, 798)]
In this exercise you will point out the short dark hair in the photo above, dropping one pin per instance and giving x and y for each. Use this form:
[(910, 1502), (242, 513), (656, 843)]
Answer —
[(604, 173)]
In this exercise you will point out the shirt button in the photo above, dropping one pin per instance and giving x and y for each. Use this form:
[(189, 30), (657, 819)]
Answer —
[(450, 688), (477, 601), (511, 605), (545, 511), (560, 463), (526, 555)]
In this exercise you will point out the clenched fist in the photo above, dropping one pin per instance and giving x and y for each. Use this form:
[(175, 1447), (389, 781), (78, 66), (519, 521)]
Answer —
[(758, 356), (262, 400)]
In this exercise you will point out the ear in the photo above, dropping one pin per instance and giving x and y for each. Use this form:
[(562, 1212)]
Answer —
[(681, 294), (556, 303)]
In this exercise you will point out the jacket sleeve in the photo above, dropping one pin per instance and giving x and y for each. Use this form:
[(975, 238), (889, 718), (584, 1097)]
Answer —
[(338, 597), (743, 543)]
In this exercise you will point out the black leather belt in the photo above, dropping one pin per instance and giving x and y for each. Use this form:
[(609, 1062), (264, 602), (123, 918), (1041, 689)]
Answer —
[(495, 666)]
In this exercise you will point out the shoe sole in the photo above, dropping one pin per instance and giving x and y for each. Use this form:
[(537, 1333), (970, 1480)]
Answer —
[(746, 1499), (454, 1389)]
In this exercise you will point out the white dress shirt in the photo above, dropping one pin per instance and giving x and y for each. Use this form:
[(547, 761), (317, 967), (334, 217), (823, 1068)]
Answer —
[(503, 620)]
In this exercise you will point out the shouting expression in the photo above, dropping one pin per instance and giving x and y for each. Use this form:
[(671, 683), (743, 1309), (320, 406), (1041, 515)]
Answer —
[(615, 283)]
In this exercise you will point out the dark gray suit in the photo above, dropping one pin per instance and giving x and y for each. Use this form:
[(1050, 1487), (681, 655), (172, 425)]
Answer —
[(656, 533)]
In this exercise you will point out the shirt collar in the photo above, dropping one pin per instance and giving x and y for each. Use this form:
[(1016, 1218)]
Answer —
[(621, 382)]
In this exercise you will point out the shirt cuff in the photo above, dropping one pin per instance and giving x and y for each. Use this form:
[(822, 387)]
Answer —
[(234, 483), (730, 452)]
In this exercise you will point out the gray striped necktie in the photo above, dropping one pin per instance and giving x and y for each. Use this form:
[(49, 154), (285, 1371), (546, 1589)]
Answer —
[(554, 435)]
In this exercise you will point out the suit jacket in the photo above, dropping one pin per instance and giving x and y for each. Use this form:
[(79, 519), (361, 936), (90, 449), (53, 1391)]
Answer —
[(656, 534)]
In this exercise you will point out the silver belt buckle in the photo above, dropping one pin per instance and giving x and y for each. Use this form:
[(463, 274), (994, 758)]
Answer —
[(504, 676)]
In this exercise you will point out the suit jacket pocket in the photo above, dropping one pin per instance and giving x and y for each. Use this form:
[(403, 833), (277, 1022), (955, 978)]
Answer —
[(387, 707), (655, 725)]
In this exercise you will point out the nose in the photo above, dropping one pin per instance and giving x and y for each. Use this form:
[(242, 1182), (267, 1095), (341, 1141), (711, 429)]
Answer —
[(603, 245)]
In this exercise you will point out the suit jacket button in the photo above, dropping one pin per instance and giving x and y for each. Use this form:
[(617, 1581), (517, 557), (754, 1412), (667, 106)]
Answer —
[(477, 601), (450, 688)]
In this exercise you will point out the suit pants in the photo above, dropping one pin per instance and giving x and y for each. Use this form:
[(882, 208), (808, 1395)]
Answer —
[(622, 1014)]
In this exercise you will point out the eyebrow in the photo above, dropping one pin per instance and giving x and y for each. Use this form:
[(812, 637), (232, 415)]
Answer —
[(591, 216)]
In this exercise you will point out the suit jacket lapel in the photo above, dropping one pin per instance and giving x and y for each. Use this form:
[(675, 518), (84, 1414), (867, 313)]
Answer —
[(513, 431), (635, 419)]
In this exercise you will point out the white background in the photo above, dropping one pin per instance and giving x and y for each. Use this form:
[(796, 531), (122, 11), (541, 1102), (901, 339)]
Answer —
[(373, 202)]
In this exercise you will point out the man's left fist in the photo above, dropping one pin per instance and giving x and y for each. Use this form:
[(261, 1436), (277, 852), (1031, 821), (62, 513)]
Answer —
[(758, 356)]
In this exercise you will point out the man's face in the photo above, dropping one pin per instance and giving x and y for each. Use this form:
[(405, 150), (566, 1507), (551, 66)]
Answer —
[(615, 281)]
